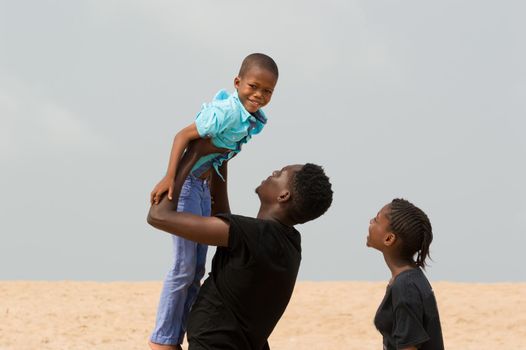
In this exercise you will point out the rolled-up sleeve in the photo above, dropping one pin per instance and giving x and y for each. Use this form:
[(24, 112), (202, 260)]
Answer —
[(209, 121)]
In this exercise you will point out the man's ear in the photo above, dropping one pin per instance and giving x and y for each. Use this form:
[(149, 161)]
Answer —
[(237, 80), (284, 196), (389, 239)]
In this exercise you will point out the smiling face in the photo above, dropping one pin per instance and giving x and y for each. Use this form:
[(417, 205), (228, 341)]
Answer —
[(255, 88), (278, 185), (379, 232)]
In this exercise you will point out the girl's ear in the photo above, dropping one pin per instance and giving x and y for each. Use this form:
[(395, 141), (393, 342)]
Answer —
[(389, 239)]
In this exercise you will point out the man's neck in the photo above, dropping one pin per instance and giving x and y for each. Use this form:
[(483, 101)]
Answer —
[(274, 214)]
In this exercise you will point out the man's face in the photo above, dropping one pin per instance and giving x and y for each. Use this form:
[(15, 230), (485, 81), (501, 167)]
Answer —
[(277, 183), (255, 88)]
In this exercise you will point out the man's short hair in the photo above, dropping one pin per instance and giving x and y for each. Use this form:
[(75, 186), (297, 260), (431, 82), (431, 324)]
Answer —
[(258, 60), (311, 193)]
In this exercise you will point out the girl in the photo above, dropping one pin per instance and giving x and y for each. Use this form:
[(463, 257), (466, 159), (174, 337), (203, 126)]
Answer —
[(407, 318)]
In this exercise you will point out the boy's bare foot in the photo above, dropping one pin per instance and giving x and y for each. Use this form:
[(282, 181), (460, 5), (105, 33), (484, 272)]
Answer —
[(155, 346)]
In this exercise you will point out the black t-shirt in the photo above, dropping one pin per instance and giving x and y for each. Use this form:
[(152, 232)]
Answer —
[(408, 314), (249, 287)]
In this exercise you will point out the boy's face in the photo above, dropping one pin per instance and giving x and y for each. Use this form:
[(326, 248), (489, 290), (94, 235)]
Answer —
[(255, 88)]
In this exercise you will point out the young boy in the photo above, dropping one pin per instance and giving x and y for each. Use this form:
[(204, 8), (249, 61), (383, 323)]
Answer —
[(257, 260), (229, 121)]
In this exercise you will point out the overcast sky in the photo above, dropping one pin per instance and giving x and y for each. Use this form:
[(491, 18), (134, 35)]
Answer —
[(416, 99)]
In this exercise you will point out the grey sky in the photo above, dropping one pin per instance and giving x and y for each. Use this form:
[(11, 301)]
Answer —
[(424, 100)]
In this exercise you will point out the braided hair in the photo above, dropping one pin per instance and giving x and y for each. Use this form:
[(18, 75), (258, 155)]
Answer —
[(413, 227)]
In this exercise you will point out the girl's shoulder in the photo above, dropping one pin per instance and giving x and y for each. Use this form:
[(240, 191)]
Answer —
[(411, 284)]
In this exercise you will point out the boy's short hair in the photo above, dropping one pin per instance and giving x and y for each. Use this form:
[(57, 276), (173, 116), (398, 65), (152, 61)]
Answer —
[(311, 193), (258, 60)]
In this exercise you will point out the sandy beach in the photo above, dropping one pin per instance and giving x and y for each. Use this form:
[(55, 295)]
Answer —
[(321, 315)]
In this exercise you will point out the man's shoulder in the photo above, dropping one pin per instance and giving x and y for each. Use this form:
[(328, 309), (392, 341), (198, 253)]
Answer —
[(252, 222), (245, 220), (238, 220)]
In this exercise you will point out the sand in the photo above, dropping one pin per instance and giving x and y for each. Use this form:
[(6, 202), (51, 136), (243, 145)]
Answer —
[(321, 315)]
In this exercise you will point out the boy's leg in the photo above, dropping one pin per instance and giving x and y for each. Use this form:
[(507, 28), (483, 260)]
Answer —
[(200, 255), (169, 327), (155, 346)]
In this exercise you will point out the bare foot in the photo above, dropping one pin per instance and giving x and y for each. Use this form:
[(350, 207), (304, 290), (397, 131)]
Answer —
[(155, 346)]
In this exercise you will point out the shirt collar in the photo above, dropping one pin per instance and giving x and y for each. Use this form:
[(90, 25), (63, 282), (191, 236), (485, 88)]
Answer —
[(259, 115)]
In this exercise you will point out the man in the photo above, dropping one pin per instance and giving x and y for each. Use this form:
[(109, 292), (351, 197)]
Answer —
[(256, 263)]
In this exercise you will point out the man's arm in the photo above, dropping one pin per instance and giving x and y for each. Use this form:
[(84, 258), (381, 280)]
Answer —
[(200, 229), (218, 190)]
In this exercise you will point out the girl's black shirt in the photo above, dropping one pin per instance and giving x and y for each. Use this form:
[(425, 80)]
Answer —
[(408, 314)]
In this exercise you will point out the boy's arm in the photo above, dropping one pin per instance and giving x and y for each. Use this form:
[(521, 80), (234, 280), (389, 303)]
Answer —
[(181, 140), (164, 216), (195, 150)]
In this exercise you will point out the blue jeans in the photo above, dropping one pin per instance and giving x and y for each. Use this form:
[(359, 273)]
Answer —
[(183, 280)]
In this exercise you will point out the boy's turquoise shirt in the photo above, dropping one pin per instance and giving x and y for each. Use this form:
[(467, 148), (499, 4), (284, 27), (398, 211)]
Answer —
[(226, 121)]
